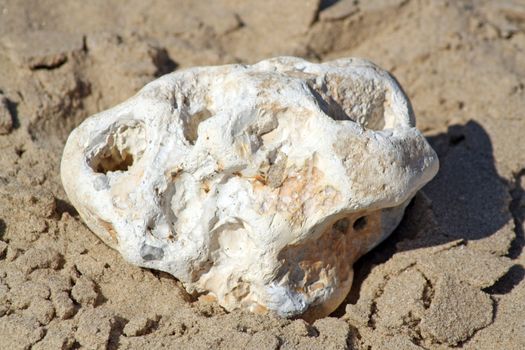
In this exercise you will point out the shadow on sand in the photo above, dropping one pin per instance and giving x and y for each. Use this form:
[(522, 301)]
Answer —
[(468, 199)]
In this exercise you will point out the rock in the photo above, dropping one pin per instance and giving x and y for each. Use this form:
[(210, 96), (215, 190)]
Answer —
[(260, 185)]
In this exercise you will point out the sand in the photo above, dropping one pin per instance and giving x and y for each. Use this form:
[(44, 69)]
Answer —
[(451, 275)]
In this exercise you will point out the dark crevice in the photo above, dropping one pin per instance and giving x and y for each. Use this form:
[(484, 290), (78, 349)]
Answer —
[(50, 66), (76, 345), (101, 298), (360, 223), (115, 333), (84, 44), (371, 317), (3, 228), (462, 343), (64, 207), (517, 210), (428, 291), (280, 343), (341, 225), (115, 155), (43, 336), (19, 150), (114, 162), (191, 124), (163, 62), (379, 293), (12, 108)]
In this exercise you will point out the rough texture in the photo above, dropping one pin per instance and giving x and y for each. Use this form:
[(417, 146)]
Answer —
[(462, 64), (444, 324), (258, 185)]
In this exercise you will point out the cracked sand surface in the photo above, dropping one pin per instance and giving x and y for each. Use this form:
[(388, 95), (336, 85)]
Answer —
[(450, 276)]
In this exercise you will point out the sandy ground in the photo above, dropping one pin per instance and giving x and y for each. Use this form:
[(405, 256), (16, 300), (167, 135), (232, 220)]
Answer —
[(451, 275)]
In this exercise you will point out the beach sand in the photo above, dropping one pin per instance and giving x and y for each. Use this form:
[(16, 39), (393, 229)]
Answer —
[(450, 276)]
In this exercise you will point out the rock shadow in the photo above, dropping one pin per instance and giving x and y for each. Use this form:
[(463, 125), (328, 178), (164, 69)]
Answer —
[(466, 200), (324, 4), (65, 207), (469, 199)]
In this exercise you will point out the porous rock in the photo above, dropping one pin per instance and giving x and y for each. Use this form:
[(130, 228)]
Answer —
[(259, 185)]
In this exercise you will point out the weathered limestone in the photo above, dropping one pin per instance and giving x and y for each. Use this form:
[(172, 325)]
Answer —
[(259, 185)]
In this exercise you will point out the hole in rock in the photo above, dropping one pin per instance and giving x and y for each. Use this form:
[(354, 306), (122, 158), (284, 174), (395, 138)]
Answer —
[(363, 101), (123, 148), (360, 223), (341, 225), (149, 253), (192, 124), (114, 161)]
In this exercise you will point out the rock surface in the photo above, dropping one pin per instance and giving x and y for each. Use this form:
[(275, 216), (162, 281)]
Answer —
[(260, 185)]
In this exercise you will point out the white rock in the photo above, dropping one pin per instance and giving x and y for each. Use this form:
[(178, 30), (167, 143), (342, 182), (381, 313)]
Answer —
[(259, 185)]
